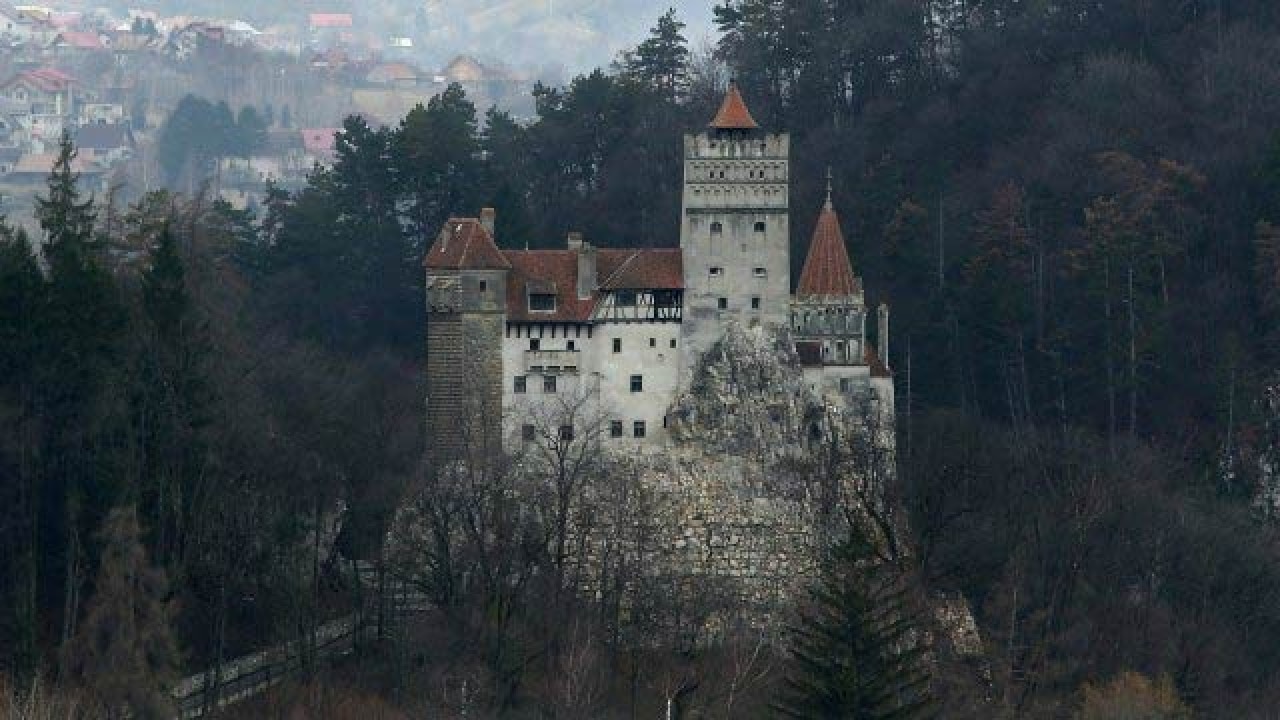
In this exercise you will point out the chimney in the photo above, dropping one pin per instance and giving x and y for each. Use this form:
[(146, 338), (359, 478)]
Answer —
[(586, 269), (574, 241), (488, 216), (882, 335)]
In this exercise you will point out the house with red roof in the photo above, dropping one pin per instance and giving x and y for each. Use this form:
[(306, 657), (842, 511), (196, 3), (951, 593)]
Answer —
[(610, 337), (76, 43), (52, 98)]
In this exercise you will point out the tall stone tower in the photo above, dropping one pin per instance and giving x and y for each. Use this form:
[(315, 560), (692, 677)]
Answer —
[(734, 227), (466, 303)]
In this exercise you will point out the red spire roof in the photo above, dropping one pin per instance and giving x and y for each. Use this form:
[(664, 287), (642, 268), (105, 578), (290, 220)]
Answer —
[(733, 114), (827, 270), (465, 244)]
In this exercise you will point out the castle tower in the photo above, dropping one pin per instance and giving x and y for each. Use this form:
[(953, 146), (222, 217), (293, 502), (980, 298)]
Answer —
[(829, 317), (466, 302), (734, 232)]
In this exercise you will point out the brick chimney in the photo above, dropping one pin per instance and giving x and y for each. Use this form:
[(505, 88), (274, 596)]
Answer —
[(488, 217), (586, 265)]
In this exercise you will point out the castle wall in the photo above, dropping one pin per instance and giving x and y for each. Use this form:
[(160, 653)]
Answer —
[(647, 349)]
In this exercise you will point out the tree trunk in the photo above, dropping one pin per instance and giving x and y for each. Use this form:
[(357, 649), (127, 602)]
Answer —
[(1133, 358)]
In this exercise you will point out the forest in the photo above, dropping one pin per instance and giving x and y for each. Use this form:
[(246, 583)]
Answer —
[(1072, 207)]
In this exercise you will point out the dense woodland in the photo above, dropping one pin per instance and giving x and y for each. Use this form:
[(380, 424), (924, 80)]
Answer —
[(1071, 207)]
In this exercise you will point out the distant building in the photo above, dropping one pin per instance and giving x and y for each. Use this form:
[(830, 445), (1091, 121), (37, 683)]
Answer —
[(109, 143), (394, 75)]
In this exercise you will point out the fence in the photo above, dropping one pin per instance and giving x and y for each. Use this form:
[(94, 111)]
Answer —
[(254, 673)]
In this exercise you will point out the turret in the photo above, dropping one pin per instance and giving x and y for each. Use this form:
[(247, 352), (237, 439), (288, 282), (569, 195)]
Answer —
[(466, 306)]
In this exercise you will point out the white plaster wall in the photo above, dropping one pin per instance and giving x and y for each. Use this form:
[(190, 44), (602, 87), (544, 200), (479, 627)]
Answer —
[(603, 376), (646, 351)]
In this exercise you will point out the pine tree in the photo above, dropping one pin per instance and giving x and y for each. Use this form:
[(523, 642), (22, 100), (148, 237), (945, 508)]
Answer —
[(662, 60), (856, 651), (125, 655), (82, 326), (21, 297)]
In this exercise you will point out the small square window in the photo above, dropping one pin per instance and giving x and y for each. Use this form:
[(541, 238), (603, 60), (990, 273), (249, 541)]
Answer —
[(722, 303), (717, 271), (549, 384), (637, 429), (566, 433), (653, 342), (759, 227), (637, 383), (521, 384), (760, 272), (542, 302), (526, 433), (716, 227), (617, 345), (615, 428), (845, 385), (571, 346), (535, 343), (755, 303)]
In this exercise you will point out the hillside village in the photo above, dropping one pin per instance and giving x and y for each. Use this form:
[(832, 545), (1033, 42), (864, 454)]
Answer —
[(111, 81)]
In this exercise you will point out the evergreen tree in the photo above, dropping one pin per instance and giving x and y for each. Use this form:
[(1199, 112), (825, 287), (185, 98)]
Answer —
[(856, 651), (82, 329), (662, 60), (437, 151), (125, 655), (21, 299)]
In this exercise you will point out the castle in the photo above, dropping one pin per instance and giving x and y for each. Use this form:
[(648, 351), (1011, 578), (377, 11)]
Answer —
[(528, 344)]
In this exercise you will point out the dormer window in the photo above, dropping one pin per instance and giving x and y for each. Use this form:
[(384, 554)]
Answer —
[(542, 302), (625, 298)]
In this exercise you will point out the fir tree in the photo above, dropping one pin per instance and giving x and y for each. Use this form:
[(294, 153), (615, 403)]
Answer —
[(662, 60), (856, 650), (21, 297), (125, 656)]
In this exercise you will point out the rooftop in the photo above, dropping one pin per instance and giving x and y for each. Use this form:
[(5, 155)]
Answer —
[(827, 270), (733, 113)]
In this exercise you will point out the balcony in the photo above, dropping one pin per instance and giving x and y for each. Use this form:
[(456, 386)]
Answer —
[(550, 362)]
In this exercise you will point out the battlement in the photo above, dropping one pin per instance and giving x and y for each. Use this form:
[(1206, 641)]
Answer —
[(719, 145)]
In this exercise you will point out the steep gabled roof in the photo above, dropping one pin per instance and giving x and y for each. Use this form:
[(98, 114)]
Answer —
[(647, 269), (827, 270), (556, 272), (465, 244), (733, 114)]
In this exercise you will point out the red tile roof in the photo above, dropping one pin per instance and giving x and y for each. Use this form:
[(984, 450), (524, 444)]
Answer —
[(331, 20), (79, 40), (654, 269), (319, 141), (827, 270), (556, 271), (464, 244), (733, 114), (546, 271), (45, 79)]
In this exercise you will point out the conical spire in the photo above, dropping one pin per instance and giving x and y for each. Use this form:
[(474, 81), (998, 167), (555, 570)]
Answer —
[(827, 270), (733, 114)]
